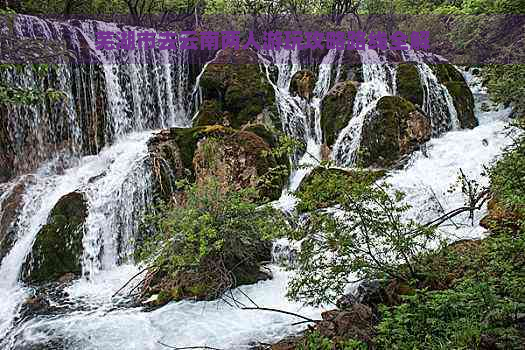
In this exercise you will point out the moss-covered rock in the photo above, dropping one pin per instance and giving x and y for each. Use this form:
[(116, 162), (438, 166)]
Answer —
[(240, 159), (303, 84), (323, 187), (235, 94), (408, 83), (58, 246), (336, 110), (462, 97), (394, 129), (207, 280)]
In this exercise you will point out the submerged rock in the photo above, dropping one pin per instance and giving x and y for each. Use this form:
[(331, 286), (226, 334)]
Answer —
[(394, 129), (336, 110), (461, 94), (9, 209), (58, 246)]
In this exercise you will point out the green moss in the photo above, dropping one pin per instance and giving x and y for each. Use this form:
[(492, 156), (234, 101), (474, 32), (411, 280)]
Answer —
[(388, 135), (58, 247), (324, 186), (336, 110), (408, 83), (210, 113), (187, 139), (240, 92), (461, 95)]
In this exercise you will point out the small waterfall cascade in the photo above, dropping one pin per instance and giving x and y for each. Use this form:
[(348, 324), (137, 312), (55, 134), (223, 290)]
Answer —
[(379, 81), (300, 117), (437, 101), (149, 89), (95, 141)]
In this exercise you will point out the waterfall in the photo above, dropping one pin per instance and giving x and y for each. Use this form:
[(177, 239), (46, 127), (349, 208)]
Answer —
[(379, 81), (300, 117), (95, 142), (149, 89), (437, 101)]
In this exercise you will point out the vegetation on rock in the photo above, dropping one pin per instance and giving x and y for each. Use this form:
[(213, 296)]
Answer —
[(58, 246), (408, 83), (214, 240), (396, 128), (460, 92), (336, 110)]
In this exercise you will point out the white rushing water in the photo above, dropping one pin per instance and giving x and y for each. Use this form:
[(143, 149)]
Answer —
[(379, 81), (301, 117), (117, 185), (112, 181)]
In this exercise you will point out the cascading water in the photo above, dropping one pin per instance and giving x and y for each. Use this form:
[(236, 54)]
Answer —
[(379, 81), (437, 102), (103, 101), (300, 117), (117, 184)]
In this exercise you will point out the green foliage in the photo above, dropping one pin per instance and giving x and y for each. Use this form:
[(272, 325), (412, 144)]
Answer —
[(10, 94), (484, 300), (213, 228), (326, 187), (366, 238), (506, 84), (454, 318), (508, 175), (315, 341)]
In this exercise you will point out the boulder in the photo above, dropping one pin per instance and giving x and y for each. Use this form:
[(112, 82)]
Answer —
[(500, 218), (303, 84), (58, 249), (458, 88), (408, 83), (394, 129), (336, 110), (240, 160), (236, 94)]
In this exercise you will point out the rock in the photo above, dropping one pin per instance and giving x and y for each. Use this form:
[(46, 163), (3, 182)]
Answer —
[(499, 218), (336, 109), (236, 94), (394, 129), (376, 292), (10, 207), (303, 84), (238, 160), (458, 88), (353, 323), (408, 83), (167, 163), (37, 305), (58, 246)]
